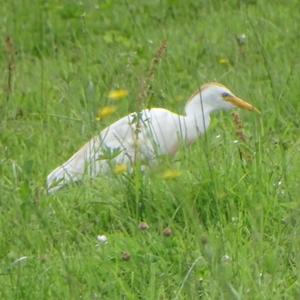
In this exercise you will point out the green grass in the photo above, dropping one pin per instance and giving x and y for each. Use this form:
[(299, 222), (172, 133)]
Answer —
[(235, 222)]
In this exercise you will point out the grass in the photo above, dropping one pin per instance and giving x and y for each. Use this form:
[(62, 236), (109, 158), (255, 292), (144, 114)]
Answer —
[(234, 209)]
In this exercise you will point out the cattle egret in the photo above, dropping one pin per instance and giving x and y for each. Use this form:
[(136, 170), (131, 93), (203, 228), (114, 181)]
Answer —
[(145, 135)]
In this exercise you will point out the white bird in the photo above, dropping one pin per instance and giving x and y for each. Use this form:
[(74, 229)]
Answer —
[(145, 135)]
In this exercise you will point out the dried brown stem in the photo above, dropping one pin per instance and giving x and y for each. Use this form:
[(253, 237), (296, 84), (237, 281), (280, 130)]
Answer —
[(144, 90), (239, 127), (10, 53), (146, 82), (240, 133)]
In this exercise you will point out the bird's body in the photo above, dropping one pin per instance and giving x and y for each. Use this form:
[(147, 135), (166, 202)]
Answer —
[(144, 136)]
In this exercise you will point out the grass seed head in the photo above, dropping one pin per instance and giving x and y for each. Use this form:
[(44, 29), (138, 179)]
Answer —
[(167, 232), (125, 256), (143, 226)]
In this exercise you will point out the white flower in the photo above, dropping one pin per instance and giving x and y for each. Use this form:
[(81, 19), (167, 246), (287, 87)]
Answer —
[(226, 258), (241, 39), (102, 239)]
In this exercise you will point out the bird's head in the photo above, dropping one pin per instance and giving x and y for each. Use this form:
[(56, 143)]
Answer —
[(220, 97)]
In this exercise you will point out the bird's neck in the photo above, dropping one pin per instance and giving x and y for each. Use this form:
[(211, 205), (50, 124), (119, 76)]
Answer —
[(197, 118), (199, 103)]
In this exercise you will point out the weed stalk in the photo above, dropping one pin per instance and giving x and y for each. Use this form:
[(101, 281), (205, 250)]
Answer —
[(10, 54)]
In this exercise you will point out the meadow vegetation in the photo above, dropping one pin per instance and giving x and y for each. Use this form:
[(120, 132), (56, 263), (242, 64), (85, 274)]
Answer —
[(230, 202)]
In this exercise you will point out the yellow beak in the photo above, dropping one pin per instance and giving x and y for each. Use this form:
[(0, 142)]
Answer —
[(241, 103)]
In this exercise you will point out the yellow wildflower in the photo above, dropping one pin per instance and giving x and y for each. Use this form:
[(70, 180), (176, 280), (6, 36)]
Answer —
[(224, 61), (171, 174), (117, 94), (105, 112), (120, 169)]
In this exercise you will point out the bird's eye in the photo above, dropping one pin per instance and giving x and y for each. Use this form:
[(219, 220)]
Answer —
[(225, 94)]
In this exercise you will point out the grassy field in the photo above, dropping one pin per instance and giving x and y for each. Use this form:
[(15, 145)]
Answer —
[(231, 204)]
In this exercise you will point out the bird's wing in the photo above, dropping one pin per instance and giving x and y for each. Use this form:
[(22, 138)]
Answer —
[(94, 156), (161, 132), (150, 132)]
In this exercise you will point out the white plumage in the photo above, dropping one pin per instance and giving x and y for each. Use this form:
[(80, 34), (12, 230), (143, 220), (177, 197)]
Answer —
[(145, 135)]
